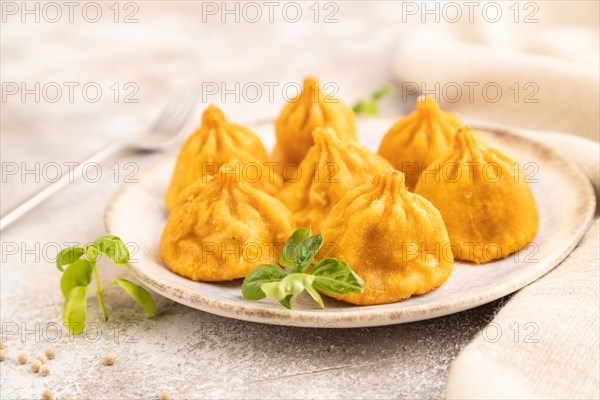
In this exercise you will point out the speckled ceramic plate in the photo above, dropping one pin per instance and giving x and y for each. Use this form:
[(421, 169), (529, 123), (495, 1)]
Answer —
[(563, 193)]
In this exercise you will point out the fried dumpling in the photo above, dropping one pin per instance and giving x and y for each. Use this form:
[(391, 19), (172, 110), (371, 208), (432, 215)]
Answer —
[(420, 138), (393, 239), (331, 168), (223, 229), (489, 209), (311, 109), (195, 188), (217, 142)]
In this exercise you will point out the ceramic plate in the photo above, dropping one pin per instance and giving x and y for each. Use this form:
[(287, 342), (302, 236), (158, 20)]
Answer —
[(564, 196)]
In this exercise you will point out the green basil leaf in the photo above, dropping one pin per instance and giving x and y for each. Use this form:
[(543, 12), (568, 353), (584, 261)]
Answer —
[(287, 302), (262, 274), (78, 273), (290, 285), (316, 296), (139, 294), (306, 252), (365, 107), (288, 254), (114, 248), (68, 256), (334, 276), (370, 106), (91, 252), (73, 312)]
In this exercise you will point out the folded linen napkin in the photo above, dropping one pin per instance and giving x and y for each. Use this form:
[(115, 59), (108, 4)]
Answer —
[(561, 310), (543, 76)]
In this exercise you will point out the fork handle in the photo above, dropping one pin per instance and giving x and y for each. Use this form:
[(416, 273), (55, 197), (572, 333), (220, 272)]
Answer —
[(18, 211)]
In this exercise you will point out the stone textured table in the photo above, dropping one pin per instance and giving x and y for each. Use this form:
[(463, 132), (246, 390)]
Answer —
[(191, 354)]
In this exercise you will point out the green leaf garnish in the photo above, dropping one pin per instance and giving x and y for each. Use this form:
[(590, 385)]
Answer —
[(76, 274), (73, 312), (262, 274), (80, 263), (329, 275), (284, 289), (306, 252), (137, 293), (370, 105), (288, 254), (334, 276), (114, 248), (67, 256), (287, 302), (315, 295)]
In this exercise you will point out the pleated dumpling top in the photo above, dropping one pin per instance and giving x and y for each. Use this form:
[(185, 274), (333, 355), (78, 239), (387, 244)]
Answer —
[(484, 198), (331, 168), (419, 139), (311, 109), (393, 239), (222, 228), (217, 142)]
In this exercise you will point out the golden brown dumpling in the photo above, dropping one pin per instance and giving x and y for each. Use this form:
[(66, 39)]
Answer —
[(393, 239), (331, 168), (195, 189), (309, 110), (418, 139), (223, 230), (215, 143), (488, 212)]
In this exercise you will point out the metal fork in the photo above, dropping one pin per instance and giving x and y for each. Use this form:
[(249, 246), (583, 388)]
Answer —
[(161, 136)]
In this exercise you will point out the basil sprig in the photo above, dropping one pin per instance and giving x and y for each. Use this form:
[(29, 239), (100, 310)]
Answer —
[(282, 282), (77, 265)]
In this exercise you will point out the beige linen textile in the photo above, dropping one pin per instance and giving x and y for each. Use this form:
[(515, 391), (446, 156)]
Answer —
[(561, 359)]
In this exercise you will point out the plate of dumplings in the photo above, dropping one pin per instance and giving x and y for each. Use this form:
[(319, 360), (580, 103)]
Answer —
[(435, 215)]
